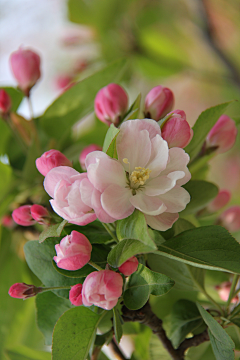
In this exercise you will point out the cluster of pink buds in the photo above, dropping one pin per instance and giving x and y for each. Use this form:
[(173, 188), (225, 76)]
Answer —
[(51, 159), (25, 65), (5, 102), (28, 215)]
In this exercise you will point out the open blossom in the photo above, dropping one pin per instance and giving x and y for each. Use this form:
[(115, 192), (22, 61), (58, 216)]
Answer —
[(73, 252), (129, 266), (71, 198), (102, 288), (147, 176)]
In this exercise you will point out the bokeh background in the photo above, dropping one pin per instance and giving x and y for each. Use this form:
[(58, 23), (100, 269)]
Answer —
[(190, 46)]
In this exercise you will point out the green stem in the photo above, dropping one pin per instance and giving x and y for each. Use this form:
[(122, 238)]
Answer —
[(95, 265), (106, 226), (213, 301), (55, 288), (232, 290)]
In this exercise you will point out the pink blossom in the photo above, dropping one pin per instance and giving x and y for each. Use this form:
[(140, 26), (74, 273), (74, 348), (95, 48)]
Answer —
[(102, 289), (224, 291), (176, 130), (158, 102), (85, 152), (230, 218), (222, 198), (129, 266), (22, 216), (5, 102), (222, 135), (71, 195), (75, 295), (111, 103), (25, 65), (22, 291), (147, 176), (51, 159), (39, 213), (73, 252), (7, 221)]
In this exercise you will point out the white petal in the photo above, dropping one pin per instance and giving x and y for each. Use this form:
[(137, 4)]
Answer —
[(159, 185), (159, 156), (100, 212), (150, 205), (86, 190), (162, 222), (75, 201), (115, 201), (178, 160), (175, 199)]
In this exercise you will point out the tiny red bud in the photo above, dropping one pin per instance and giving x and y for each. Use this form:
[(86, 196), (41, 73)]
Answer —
[(88, 149), (75, 295), (158, 102), (22, 216), (22, 291), (111, 103), (5, 102), (129, 267), (51, 159)]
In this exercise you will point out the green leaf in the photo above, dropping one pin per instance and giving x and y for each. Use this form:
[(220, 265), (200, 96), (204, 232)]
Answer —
[(73, 334), (95, 232), (183, 319), (156, 350), (109, 146), (208, 247), (133, 112), (49, 309), (200, 352), (182, 225), (135, 227), (15, 95), (201, 192), (203, 125), (143, 283), (21, 352), (30, 172), (5, 134), (39, 258), (76, 102), (52, 231), (221, 342), (117, 325)]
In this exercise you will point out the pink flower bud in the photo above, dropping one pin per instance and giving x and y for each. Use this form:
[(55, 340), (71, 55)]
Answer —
[(158, 102), (26, 68), (22, 216), (230, 218), (224, 290), (39, 213), (176, 130), (102, 289), (222, 198), (23, 291), (75, 295), (222, 135), (7, 221), (51, 159), (129, 267), (111, 103), (73, 252), (88, 149), (5, 102)]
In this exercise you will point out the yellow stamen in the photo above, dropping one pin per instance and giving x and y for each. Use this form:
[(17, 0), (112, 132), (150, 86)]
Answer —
[(125, 160), (140, 175)]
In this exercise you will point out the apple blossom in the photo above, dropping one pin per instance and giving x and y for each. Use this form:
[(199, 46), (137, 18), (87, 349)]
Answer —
[(102, 288), (85, 152), (147, 176), (51, 159), (5, 102), (222, 135), (222, 198), (129, 266), (22, 216), (176, 130), (111, 103), (75, 295), (7, 221), (73, 252), (39, 213), (230, 218), (66, 186), (25, 65), (158, 102), (22, 291)]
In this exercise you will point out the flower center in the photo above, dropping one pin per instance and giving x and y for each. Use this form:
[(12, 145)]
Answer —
[(138, 177)]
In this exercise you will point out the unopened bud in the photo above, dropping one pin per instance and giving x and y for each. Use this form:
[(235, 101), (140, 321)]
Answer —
[(25, 65), (75, 295), (158, 102), (222, 198), (176, 130), (223, 135), (51, 159), (88, 149), (5, 102), (23, 291), (111, 104), (129, 267), (224, 291), (22, 216), (39, 213), (230, 218)]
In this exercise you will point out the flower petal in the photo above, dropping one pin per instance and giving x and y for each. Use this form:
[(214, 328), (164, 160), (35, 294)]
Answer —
[(162, 184), (67, 214), (175, 199), (159, 156), (162, 222), (86, 190), (148, 204), (115, 201), (97, 206)]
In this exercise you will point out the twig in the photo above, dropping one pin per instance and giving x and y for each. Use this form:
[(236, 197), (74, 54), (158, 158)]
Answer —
[(193, 341), (117, 352)]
